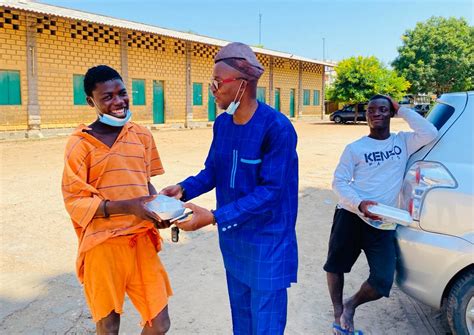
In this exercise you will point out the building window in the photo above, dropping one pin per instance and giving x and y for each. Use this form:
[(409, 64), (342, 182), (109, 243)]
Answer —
[(79, 94), (261, 94), (197, 94), (316, 101), (138, 92), (306, 97), (10, 92)]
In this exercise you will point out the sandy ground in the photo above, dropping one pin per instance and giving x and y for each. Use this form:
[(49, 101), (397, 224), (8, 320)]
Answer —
[(39, 293)]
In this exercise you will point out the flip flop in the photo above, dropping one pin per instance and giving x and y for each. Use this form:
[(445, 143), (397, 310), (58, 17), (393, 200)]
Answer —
[(345, 331)]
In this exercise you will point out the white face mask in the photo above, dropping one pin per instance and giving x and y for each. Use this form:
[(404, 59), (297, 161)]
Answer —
[(232, 108), (112, 120)]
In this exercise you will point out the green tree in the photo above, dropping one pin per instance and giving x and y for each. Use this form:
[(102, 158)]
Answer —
[(359, 78), (437, 56)]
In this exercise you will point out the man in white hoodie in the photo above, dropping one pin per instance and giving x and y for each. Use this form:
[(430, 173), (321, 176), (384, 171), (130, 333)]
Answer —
[(370, 171)]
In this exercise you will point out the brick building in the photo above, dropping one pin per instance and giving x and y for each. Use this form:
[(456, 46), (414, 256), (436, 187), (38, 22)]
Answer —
[(45, 51)]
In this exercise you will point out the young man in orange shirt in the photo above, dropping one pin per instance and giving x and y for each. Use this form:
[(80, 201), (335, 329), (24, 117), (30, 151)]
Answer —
[(106, 185)]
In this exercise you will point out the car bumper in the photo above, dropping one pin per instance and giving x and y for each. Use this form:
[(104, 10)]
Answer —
[(428, 261)]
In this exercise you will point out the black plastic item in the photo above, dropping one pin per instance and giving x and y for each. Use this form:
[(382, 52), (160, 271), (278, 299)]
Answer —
[(175, 234)]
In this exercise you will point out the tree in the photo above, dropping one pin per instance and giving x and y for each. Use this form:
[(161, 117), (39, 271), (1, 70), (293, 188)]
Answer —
[(359, 78), (437, 56)]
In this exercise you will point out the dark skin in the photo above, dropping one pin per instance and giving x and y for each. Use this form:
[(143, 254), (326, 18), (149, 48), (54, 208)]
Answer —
[(226, 93), (111, 98), (379, 113)]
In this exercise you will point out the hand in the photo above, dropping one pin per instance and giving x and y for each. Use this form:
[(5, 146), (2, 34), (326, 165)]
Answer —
[(137, 207), (163, 224), (363, 208), (201, 217), (175, 191), (395, 104)]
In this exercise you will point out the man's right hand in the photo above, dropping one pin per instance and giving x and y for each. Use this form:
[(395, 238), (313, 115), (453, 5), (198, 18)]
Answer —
[(175, 191), (363, 207), (137, 207)]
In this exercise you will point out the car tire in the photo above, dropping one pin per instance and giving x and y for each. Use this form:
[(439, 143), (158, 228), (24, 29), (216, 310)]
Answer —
[(460, 305), (338, 119)]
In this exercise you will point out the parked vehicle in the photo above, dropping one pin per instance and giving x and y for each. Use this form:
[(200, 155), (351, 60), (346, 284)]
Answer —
[(436, 252), (347, 114), (421, 103)]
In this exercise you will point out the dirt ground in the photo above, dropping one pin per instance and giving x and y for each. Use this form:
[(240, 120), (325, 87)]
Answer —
[(39, 293)]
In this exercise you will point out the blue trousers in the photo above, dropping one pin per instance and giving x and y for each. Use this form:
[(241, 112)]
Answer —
[(256, 312)]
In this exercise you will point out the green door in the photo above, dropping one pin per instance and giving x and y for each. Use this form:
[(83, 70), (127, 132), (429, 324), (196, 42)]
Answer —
[(158, 102), (211, 106), (261, 94), (292, 102), (277, 99)]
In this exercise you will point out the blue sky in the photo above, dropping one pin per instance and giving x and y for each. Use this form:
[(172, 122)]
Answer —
[(349, 27)]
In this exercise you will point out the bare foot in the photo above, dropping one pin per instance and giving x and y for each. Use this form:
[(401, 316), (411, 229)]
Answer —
[(347, 317)]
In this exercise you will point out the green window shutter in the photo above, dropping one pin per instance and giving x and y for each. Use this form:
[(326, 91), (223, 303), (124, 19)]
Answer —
[(316, 101), (197, 94), (138, 92), (261, 94), (306, 97), (79, 94), (10, 90)]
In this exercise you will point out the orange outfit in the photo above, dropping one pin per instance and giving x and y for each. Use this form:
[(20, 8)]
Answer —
[(94, 172)]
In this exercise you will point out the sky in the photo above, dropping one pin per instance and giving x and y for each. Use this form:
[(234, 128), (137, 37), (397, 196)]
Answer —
[(348, 27)]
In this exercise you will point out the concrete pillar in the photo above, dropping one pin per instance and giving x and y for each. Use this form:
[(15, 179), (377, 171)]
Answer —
[(321, 98), (270, 84), (189, 92), (124, 58), (300, 89), (33, 108)]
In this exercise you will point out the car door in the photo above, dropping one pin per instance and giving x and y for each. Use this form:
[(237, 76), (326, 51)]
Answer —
[(362, 110), (348, 113)]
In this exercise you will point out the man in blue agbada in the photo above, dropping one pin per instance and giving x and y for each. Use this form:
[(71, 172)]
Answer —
[(253, 165)]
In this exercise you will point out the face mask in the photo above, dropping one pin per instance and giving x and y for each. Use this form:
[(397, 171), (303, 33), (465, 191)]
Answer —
[(115, 121), (235, 104), (112, 120)]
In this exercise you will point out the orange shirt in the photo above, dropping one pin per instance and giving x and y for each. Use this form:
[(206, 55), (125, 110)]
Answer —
[(94, 172)]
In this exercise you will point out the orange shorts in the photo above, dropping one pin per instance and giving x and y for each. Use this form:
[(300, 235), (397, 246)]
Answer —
[(125, 264)]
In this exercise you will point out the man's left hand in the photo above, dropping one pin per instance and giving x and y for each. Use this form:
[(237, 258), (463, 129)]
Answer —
[(201, 217), (395, 104)]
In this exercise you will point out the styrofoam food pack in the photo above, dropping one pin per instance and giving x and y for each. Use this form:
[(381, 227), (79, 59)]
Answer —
[(165, 207), (391, 214)]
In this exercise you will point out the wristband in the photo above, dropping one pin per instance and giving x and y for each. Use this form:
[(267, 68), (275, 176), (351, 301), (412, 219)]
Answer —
[(183, 192), (104, 209), (213, 218)]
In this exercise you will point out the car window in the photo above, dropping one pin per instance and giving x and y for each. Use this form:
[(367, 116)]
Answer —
[(440, 114)]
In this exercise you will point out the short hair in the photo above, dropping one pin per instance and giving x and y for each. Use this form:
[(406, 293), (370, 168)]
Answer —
[(381, 96), (98, 74)]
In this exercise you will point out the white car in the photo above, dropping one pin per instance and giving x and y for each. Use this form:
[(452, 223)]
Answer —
[(436, 251)]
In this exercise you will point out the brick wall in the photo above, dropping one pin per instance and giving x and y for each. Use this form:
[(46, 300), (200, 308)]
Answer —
[(66, 47), (13, 57), (164, 60), (312, 79), (285, 77)]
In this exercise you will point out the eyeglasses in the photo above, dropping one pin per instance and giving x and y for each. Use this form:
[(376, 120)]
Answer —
[(217, 83), (381, 110)]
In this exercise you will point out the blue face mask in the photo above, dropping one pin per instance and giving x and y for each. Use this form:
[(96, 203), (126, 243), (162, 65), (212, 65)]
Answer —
[(235, 104), (115, 121), (232, 107), (112, 120)]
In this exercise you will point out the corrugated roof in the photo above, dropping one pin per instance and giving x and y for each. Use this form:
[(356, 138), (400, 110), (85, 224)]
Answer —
[(57, 11)]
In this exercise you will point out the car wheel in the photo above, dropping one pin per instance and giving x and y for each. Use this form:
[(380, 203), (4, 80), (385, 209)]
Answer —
[(460, 306), (338, 119)]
